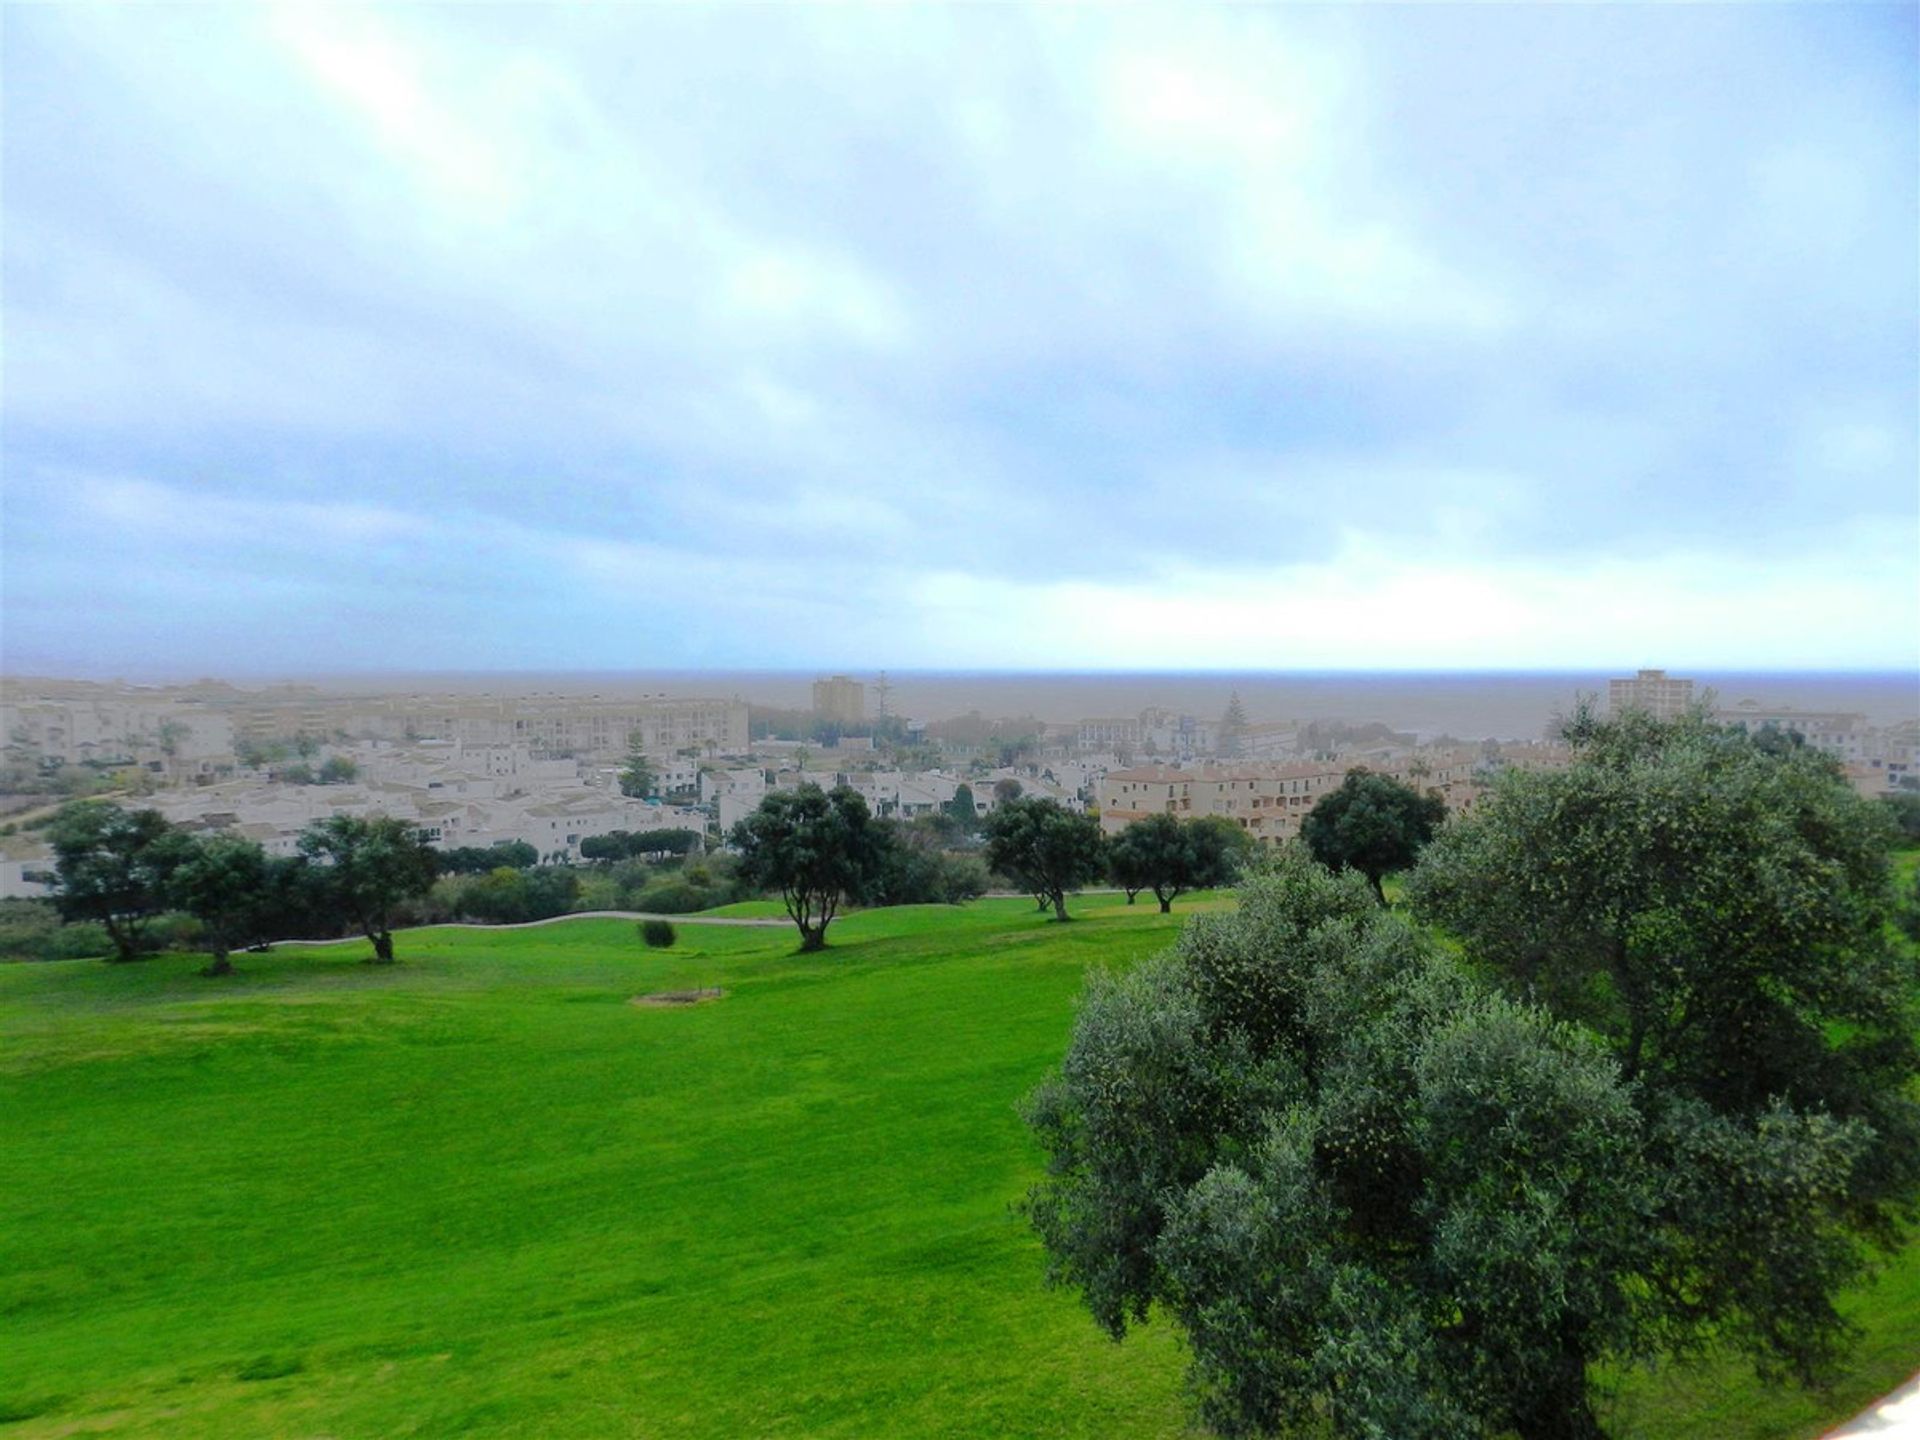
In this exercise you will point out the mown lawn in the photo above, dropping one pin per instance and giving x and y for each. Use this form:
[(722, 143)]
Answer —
[(481, 1191)]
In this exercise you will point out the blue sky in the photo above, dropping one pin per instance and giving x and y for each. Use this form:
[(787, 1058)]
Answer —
[(609, 337)]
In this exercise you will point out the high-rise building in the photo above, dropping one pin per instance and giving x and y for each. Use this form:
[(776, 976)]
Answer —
[(1653, 691), (840, 699)]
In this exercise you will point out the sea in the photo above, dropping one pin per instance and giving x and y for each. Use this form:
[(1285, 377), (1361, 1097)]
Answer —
[(1468, 706)]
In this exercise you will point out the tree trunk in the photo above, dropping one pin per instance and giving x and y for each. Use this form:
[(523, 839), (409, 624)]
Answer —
[(1559, 1408), (1379, 891), (1130, 895), (1166, 904), (221, 964), (126, 942), (1060, 906), (813, 937), (382, 947)]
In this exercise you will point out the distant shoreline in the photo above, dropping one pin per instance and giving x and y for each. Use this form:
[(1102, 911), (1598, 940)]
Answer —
[(1467, 704)]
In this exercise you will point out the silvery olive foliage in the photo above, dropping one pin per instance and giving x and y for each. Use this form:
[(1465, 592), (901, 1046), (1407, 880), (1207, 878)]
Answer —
[(1714, 906), (1368, 1188)]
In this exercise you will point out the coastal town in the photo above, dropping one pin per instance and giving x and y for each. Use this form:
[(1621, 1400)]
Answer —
[(552, 771)]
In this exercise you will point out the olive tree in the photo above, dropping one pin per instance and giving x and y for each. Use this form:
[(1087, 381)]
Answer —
[(1373, 824), (1714, 908), (819, 849), (1045, 848), (365, 868), (111, 865), (1366, 1187), (1171, 856), (224, 883)]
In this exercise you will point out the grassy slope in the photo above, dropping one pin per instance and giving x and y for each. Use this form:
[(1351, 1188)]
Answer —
[(480, 1190)]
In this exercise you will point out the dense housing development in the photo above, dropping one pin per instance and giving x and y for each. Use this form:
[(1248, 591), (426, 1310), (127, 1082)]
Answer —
[(549, 769), (1269, 800)]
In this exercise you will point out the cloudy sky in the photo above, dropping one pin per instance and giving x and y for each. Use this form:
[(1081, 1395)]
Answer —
[(569, 337)]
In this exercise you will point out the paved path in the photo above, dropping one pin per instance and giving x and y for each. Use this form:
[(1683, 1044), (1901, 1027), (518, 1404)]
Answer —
[(758, 921), (1893, 1417)]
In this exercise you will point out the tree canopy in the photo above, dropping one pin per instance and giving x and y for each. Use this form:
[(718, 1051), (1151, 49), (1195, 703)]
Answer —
[(1666, 1103), (819, 849), (223, 881), (1714, 906), (1372, 824), (1366, 1186), (112, 865), (1171, 856), (1045, 848), (367, 868), (637, 777)]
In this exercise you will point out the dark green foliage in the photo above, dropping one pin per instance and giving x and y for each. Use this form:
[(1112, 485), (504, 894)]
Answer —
[(1045, 848), (32, 930), (1171, 856), (1366, 1187), (506, 896), (1905, 810), (628, 845), (1372, 824), (917, 870), (337, 770), (112, 867), (221, 880), (1714, 906), (697, 885), (818, 849), (962, 808), (479, 859), (637, 779), (366, 868), (658, 934)]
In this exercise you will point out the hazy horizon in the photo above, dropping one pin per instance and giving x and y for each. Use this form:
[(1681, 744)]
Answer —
[(1468, 704)]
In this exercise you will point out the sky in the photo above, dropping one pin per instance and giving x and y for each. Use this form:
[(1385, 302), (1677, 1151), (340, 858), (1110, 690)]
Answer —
[(570, 337)]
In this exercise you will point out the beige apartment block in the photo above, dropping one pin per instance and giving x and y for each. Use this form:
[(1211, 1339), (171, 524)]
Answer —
[(1654, 691), (1268, 800), (840, 699)]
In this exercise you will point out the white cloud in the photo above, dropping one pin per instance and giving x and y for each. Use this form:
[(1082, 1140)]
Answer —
[(1372, 607)]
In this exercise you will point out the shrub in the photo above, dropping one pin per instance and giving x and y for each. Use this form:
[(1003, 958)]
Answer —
[(31, 930), (672, 897), (657, 933)]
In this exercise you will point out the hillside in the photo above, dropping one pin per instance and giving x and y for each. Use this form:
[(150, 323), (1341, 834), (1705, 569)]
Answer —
[(484, 1191)]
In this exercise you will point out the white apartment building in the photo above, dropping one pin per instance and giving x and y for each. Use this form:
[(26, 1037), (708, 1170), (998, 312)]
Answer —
[(1654, 691)]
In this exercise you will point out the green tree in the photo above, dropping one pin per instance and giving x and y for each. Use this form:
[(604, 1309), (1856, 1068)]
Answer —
[(1045, 848), (337, 770), (1372, 824), (1713, 905), (1375, 1195), (819, 849), (1170, 856), (1904, 810), (479, 859), (223, 882), (637, 780), (111, 865), (962, 808), (366, 868)]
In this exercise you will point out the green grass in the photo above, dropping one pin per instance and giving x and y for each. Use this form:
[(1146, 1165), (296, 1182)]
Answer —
[(480, 1191)]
